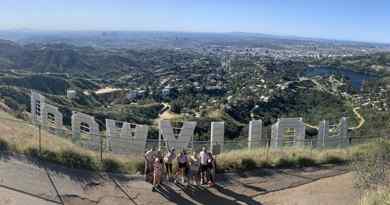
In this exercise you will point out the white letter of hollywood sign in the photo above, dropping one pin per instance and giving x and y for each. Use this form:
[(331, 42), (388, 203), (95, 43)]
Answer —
[(121, 140), (180, 140), (84, 125), (217, 137), (124, 138), (45, 114)]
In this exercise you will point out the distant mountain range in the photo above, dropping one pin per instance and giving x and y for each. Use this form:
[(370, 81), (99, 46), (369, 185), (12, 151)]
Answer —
[(67, 58), (167, 39), (114, 53)]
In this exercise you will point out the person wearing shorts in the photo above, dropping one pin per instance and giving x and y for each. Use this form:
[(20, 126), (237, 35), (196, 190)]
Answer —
[(168, 161), (210, 169), (149, 160), (183, 165), (203, 158), (157, 172), (194, 168)]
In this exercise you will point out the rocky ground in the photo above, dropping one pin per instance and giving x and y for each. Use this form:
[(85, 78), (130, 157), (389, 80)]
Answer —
[(25, 182)]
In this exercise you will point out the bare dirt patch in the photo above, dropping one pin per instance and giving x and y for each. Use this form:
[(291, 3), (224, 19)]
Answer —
[(9, 197), (329, 191), (262, 186)]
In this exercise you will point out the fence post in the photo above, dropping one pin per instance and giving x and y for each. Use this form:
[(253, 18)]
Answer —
[(159, 140), (311, 147), (267, 149), (40, 138), (101, 148)]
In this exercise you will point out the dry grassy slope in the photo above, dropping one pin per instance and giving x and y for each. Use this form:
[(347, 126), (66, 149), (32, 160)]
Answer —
[(23, 135)]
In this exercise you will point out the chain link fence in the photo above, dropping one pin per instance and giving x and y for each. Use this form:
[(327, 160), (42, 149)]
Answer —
[(24, 136)]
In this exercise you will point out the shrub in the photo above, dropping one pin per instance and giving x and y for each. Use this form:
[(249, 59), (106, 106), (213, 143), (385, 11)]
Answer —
[(77, 160), (331, 159), (305, 161), (112, 165), (4, 146), (68, 158), (47, 155), (265, 164), (377, 198), (136, 166), (370, 165), (235, 165), (31, 152), (176, 107), (286, 162), (50, 156), (248, 164)]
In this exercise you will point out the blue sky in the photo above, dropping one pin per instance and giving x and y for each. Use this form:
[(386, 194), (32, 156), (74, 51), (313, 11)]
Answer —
[(363, 20)]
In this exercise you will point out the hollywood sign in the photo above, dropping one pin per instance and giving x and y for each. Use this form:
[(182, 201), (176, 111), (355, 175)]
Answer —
[(123, 137)]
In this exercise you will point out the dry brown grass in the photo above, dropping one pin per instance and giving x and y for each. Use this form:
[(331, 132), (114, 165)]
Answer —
[(22, 136), (287, 157), (379, 197)]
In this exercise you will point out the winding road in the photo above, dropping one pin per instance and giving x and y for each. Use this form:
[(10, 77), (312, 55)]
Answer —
[(361, 118), (358, 115)]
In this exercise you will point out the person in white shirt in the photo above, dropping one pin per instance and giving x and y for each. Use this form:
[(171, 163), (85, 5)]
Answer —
[(149, 160), (203, 157), (157, 172)]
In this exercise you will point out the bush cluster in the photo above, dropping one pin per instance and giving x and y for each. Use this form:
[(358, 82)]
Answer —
[(288, 158), (370, 165), (237, 160), (4, 147), (73, 159), (68, 158), (112, 165)]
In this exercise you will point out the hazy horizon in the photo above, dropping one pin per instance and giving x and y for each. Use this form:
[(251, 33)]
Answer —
[(334, 20), (271, 35)]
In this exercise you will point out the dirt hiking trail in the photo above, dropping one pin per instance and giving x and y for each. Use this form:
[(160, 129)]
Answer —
[(36, 183)]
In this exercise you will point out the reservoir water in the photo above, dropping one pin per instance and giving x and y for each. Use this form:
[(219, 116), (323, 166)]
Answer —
[(356, 78)]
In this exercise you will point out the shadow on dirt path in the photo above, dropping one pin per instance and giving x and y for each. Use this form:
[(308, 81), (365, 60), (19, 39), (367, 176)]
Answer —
[(85, 187), (171, 195)]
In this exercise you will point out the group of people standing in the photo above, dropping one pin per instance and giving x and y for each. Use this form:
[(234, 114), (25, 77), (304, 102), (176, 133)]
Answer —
[(197, 168)]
